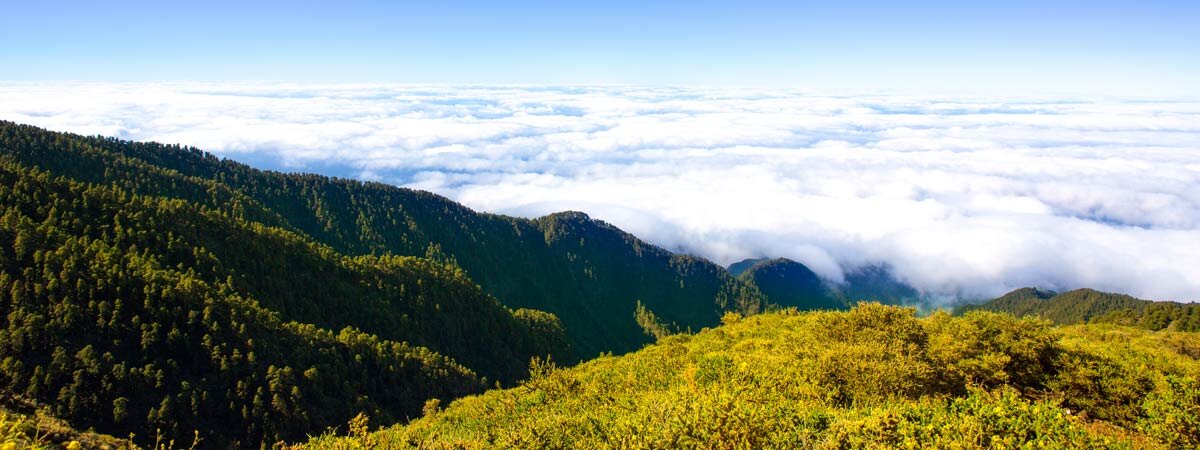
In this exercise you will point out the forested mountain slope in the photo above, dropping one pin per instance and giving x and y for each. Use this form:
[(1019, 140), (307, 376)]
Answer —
[(148, 287), (131, 313), (873, 377), (1090, 306), (587, 272), (740, 267), (876, 283), (790, 284)]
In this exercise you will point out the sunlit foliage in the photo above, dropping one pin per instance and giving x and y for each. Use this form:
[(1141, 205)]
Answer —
[(177, 311), (587, 272), (873, 377)]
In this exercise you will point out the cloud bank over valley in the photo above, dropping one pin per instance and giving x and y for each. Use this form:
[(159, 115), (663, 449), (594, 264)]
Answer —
[(962, 196)]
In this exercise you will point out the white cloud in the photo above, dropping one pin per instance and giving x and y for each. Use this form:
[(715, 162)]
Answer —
[(962, 196)]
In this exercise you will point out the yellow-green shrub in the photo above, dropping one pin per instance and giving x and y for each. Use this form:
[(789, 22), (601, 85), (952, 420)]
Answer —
[(1172, 415), (873, 377)]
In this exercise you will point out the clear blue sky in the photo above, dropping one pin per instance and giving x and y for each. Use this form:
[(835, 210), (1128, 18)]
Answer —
[(1126, 47)]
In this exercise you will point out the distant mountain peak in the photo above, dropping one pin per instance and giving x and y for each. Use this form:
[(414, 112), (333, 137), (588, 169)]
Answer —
[(569, 215), (737, 268), (1031, 292), (794, 284), (1089, 305)]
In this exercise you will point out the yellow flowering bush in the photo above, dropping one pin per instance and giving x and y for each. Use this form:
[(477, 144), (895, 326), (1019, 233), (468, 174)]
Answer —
[(873, 377)]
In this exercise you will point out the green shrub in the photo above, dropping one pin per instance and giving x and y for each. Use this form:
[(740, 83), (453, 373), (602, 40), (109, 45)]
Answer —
[(1172, 415), (873, 377), (990, 349)]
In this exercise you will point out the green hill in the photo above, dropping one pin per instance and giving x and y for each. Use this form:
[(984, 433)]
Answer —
[(130, 313), (158, 290), (149, 288), (790, 284), (588, 273), (740, 267), (876, 283), (1090, 306), (873, 377)]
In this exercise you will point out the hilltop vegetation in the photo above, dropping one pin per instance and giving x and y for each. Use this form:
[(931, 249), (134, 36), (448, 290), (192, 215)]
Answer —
[(159, 291), (873, 377), (148, 287), (125, 315), (586, 272), (1090, 306)]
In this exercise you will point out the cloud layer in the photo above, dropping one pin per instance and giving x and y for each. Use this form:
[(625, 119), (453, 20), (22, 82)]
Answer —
[(964, 197)]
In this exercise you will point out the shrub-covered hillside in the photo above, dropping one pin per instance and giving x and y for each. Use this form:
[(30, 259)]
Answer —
[(873, 377)]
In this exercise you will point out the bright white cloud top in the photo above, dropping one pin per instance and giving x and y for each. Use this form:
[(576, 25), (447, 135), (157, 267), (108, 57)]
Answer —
[(961, 196)]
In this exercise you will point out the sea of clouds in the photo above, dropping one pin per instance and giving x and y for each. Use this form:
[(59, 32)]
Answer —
[(964, 197)]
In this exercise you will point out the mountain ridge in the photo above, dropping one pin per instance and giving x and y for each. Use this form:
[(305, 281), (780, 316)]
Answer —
[(1091, 306), (790, 283), (151, 287), (497, 252), (154, 287)]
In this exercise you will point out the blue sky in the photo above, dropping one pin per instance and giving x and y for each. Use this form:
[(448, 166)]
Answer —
[(1147, 47)]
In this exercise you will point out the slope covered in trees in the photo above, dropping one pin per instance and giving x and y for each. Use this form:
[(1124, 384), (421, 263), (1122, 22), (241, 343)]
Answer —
[(197, 308), (587, 272), (1090, 306), (147, 287), (876, 283), (790, 284), (873, 377), (740, 267), (130, 313)]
